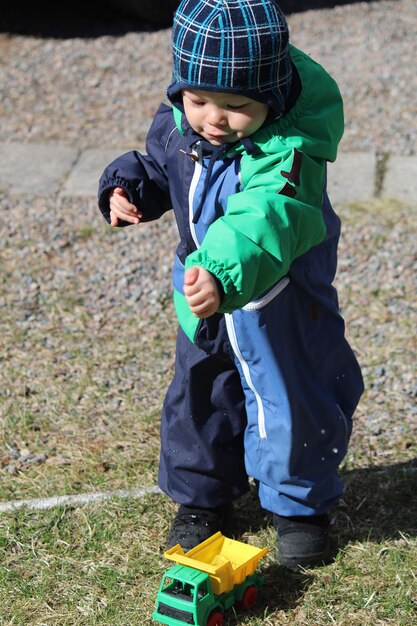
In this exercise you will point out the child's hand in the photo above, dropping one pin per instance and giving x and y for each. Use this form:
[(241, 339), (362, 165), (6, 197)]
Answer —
[(201, 291), (121, 208)]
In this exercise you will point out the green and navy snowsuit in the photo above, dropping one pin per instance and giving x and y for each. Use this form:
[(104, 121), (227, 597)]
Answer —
[(267, 386)]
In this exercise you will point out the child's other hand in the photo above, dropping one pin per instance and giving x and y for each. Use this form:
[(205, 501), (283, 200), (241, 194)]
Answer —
[(201, 291), (121, 208)]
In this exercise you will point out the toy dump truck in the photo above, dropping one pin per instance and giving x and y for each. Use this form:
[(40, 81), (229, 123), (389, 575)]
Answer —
[(207, 581)]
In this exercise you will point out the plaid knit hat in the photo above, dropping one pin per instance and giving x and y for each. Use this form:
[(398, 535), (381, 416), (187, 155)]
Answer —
[(235, 46)]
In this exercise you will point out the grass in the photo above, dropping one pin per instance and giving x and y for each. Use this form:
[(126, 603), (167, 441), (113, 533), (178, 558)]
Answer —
[(80, 566), (102, 565), (79, 412)]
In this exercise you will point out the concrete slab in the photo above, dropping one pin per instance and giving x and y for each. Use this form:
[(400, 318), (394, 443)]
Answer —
[(36, 169), (84, 177), (352, 177), (41, 169), (400, 179)]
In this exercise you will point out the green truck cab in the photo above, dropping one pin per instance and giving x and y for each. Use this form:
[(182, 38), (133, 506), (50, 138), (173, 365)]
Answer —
[(207, 581)]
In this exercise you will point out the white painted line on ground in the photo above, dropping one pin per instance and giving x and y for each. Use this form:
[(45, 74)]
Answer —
[(40, 504)]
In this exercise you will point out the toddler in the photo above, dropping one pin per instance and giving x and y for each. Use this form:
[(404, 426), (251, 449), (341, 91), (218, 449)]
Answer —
[(265, 383)]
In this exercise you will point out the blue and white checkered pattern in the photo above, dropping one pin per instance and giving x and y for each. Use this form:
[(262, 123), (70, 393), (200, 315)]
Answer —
[(238, 46)]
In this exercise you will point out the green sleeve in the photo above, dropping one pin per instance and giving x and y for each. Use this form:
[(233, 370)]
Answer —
[(274, 220)]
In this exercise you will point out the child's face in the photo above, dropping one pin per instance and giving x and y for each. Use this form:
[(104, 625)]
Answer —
[(223, 117)]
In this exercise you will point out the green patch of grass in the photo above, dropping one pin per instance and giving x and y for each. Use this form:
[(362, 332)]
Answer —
[(81, 566), (102, 564), (86, 232), (368, 584)]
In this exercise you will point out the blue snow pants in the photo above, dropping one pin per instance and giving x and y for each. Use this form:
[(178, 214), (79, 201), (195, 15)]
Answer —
[(271, 401), (203, 424)]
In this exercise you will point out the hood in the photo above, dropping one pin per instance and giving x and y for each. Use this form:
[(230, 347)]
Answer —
[(315, 123)]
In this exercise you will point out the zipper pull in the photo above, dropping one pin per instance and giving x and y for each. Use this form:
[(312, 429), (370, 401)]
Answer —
[(196, 154), (193, 155)]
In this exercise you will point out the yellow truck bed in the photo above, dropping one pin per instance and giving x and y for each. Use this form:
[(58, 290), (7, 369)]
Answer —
[(227, 561)]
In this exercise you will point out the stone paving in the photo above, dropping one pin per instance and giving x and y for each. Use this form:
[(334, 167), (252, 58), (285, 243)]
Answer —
[(44, 169)]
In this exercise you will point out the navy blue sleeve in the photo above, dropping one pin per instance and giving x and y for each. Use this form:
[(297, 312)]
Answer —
[(142, 176)]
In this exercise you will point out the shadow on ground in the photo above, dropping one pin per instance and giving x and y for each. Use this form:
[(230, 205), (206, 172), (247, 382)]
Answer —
[(298, 6), (94, 18), (379, 504), (88, 19)]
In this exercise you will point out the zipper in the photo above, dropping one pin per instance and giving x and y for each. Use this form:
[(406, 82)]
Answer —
[(231, 331), (193, 186), (255, 305), (228, 317)]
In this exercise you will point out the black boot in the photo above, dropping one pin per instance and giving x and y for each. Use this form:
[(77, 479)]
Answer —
[(302, 541), (191, 526)]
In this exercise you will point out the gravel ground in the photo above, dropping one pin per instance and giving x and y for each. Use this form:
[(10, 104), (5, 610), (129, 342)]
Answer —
[(72, 288), (95, 80), (98, 86)]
